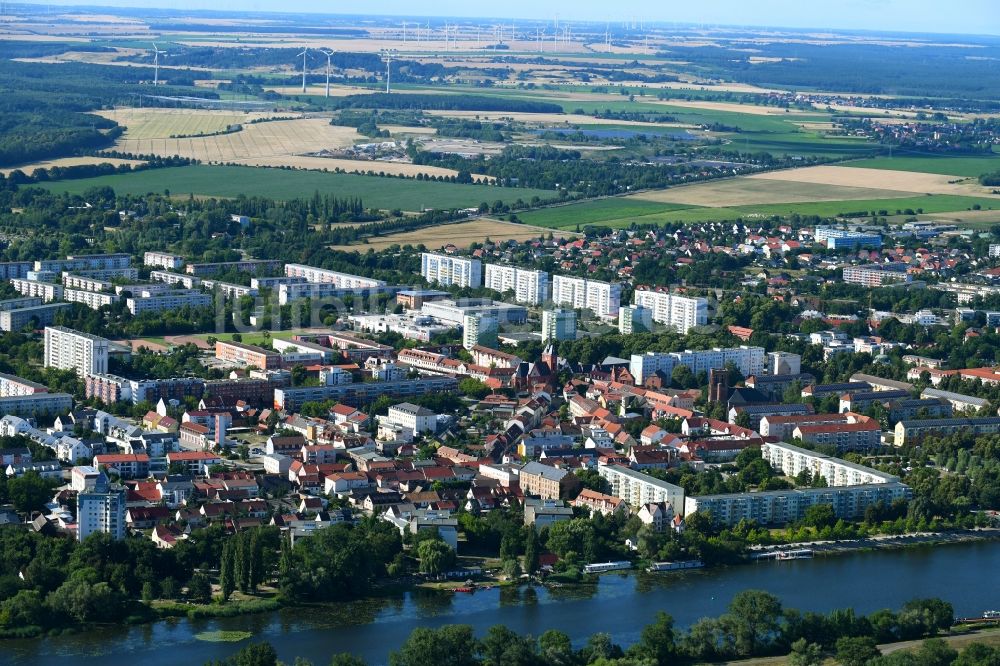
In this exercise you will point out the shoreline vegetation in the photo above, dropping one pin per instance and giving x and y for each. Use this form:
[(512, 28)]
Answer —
[(755, 629), (157, 611)]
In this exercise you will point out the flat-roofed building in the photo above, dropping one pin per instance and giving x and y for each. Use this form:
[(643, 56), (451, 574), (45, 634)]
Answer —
[(46, 291), (37, 316), (237, 352), (170, 300), (324, 276), (67, 349), (780, 507), (447, 270), (792, 460), (682, 313), (529, 286), (11, 385), (602, 298), (170, 262), (36, 404), (638, 488)]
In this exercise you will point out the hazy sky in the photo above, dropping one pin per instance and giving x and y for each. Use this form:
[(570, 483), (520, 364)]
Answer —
[(955, 16)]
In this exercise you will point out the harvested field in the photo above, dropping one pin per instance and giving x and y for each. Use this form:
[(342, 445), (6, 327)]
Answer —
[(461, 234), (67, 162), (886, 179), (164, 123), (753, 191), (263, 143), (350, 166)]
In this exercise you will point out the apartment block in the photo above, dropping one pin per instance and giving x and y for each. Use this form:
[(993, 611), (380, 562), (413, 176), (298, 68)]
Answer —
[(877, 275), (67, 349), (361, 393), (290, 292), (480, 330), (84, 262), (637, 488), (634, 319), (447, 270), (92, 299), (101, 510), (170, 262), (46, 291), (780, 507), (170, 278), (324, 276), (558, 324), (15, 270), (550, 483), (35, 316), (36, 404), (909, 432), (11, 386), (529, 286), (18, 303), (748, 360), (678, 312), (602, 298), (171, 300), (792, 460), (251, 266)]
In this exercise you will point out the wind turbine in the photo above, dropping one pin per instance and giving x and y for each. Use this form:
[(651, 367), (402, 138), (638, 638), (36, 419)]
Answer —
[(329, 55), (304, 53), (404, 31), (156, 63), (387, 57)]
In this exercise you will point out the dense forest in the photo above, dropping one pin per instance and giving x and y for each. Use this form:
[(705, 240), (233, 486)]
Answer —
[(43, 107), (926, 70)]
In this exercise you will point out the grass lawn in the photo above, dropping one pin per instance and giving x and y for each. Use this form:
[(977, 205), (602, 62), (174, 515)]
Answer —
[(970, 167), (228, 181)]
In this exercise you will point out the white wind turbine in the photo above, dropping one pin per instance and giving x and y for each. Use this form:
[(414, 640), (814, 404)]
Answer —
[(387, 57), (304, 54), (329, 55), (156, 63)]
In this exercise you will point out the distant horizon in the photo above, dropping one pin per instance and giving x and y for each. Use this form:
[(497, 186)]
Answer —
[(926, 17)]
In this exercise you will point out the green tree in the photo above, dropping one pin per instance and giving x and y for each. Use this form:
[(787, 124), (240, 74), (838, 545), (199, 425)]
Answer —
[(503, 647), (29, 492), (227, 573), (756, 617), (820, 516), (200, 589), (530, 551), (451, 645), (658, 641), (805, 653), (856, 650), (436, 556), (347, 659)]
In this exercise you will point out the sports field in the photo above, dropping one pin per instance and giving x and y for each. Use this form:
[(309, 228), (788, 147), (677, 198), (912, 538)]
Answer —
[(229, 181), (752, 191)]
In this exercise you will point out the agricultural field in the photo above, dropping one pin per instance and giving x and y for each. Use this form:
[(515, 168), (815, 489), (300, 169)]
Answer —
[(753, 191), (68, 162), (854, 175), (232, 181), (260, 144), (164, 123), (970, 167), (620, 212), (461, 234)]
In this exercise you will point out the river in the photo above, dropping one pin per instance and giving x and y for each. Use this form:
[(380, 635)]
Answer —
[(620, 604)]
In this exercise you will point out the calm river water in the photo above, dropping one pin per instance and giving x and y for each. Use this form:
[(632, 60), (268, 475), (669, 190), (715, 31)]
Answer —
[(964, 574)]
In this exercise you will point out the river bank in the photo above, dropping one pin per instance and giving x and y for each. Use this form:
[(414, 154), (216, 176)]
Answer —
[(887, 542), (620, 604)]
